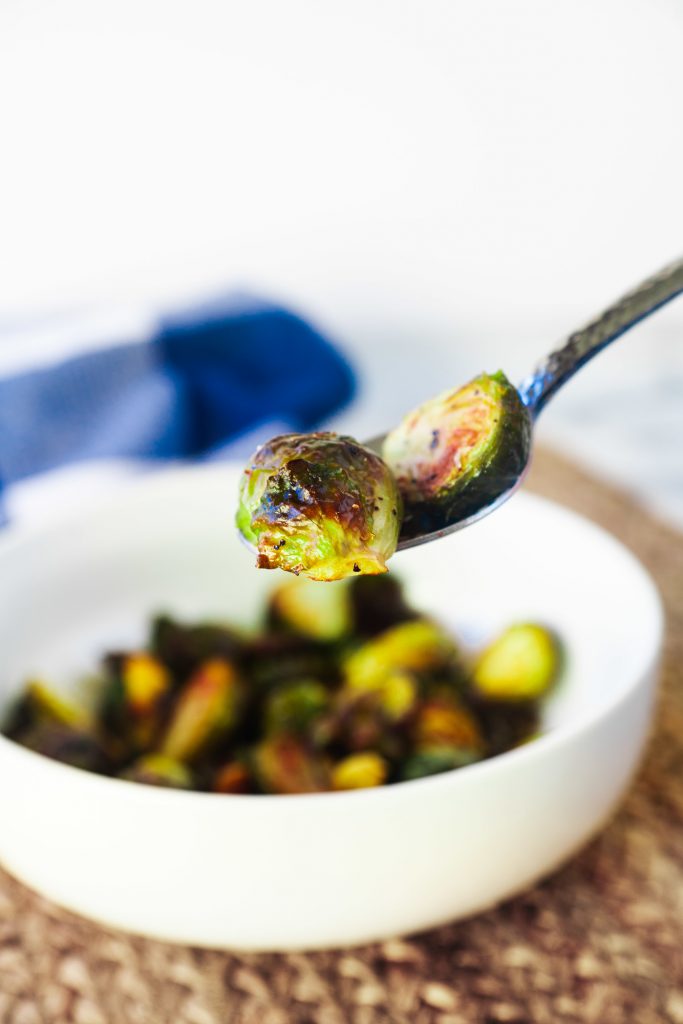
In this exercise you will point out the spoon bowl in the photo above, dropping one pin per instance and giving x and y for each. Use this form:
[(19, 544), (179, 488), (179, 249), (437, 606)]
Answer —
[(489, 491), (481, 487), (472, 506)]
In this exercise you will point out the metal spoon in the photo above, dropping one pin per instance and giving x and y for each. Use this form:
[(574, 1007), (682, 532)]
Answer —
[(535, 391)]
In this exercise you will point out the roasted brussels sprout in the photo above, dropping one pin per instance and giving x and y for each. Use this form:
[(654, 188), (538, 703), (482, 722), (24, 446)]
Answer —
[(481, 432), (393, 696), (271, 660), (285, 764), (76, 747), (507, 724), (320, 505), (434, 760), (294, 707), (159, 770), (38, 705), (360, 771), (205, 713), (182, 648), (321, 613), (418, 646), (136, 690), (377, 602), (521, 664), (444, 721), (346, 687), (233, 777)]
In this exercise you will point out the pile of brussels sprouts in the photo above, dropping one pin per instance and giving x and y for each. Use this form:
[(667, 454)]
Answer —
[(344, 687)]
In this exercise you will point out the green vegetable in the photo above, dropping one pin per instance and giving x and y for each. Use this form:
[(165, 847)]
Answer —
[(346, 687), (294, 707), (159, 770), (444, 721), (77, 747), (233, 777), (377, 602), (434, 760), (284, 764), (416, 646), (205, 712), (480, 432), (320, 505), (521, 664), (38, 705), (360, 771), (321, 613)]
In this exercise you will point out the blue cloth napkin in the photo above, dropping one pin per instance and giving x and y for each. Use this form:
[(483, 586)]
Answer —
[(202, 378)]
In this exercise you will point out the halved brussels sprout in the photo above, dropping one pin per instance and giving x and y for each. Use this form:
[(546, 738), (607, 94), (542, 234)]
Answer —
[(521, 664), (159, 770), (320, 505), (395, 693), (294, 707), (375, 717), (444, 721), (285, 764), (321, 613), (360, 771), (415, 646), (205, 713), (481, 432)]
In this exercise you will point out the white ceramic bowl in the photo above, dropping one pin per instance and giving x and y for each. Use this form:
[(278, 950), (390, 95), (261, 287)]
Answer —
[(331, 869)]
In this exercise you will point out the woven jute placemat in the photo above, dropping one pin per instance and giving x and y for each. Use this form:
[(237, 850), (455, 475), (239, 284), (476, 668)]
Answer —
[(601, 941)]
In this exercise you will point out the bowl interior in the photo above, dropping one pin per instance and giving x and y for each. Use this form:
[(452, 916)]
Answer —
[(168, 544)]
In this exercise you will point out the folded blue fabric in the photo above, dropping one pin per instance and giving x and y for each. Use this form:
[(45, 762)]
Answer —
[(203, 377)]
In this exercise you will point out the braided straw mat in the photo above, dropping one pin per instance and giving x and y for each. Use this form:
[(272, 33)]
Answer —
[(600, 941)]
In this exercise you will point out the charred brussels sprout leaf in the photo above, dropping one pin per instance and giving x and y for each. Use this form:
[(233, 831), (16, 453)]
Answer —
[(320, 505), (480, 432), (521, 664)]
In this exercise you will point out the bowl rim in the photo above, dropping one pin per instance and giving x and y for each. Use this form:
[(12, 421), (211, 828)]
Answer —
[(558, 737)]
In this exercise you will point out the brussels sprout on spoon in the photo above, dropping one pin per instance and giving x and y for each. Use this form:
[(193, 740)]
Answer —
[(319, 505), (315, 504), (459, 452)]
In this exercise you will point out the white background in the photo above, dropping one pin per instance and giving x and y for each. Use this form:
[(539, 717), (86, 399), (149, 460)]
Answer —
[(444, 186)]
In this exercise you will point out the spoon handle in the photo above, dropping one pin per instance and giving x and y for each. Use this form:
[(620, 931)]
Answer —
[(585, 343)]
